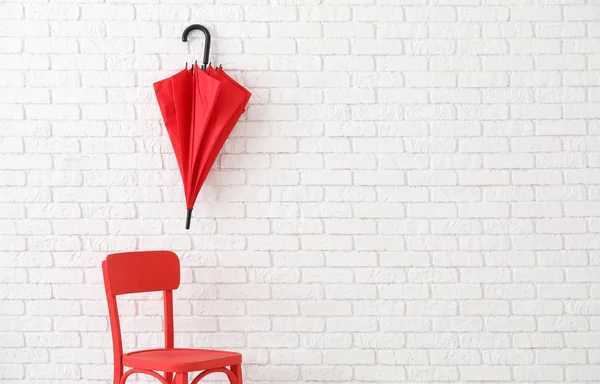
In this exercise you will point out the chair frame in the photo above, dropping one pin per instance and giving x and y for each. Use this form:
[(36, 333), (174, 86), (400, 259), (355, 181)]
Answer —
[(161, 271)]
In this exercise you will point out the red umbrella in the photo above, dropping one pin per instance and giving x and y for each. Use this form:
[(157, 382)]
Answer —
[(199, 108)]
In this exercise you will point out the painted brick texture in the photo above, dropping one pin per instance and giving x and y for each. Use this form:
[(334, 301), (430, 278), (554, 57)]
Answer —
[(413, 194)]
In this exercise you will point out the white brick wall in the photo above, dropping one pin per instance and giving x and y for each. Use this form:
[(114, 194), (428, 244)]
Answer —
[(412, 196)]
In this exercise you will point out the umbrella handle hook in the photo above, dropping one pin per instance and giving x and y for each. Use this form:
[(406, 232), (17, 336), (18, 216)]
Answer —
[(206, 40)]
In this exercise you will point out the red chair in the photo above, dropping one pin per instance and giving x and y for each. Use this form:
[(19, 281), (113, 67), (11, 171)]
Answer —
[(134, 272)]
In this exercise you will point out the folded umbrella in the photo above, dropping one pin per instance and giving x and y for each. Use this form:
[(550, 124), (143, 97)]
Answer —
[(199, 109)]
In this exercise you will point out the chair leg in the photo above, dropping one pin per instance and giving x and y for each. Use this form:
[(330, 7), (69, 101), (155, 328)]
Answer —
[(237, 371), (169, 377), (181, 378)]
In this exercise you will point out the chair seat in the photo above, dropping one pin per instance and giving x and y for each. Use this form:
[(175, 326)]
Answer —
[(180, 359)]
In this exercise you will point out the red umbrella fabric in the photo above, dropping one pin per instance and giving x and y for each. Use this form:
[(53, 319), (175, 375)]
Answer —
[(199, 109), (230, 104)]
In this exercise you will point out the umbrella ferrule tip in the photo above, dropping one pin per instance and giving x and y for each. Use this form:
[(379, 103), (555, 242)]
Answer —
[(188, 219)]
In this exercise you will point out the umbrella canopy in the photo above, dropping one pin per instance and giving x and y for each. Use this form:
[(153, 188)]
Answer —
[(199, 109)]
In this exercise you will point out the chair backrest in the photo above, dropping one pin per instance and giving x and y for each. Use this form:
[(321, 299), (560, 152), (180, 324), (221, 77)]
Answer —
[(135, 272)]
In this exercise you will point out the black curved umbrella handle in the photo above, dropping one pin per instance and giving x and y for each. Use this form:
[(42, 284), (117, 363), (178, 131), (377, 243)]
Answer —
[(206, 40)]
